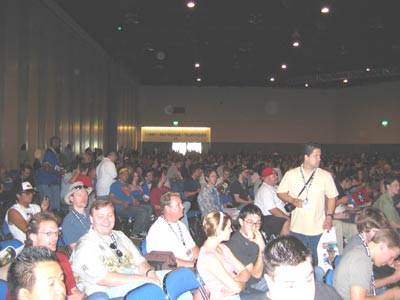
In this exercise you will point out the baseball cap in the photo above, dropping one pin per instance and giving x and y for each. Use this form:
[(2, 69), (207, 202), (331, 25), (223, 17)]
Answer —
[(123, 170), (26, 186), (266, 172)]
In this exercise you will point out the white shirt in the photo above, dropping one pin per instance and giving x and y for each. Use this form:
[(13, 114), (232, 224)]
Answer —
[(26, 213), (162, 237), (106, 174), (267, 199)]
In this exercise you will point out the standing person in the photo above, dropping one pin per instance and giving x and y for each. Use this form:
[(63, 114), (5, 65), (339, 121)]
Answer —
[(77, 222), (106, 260), (224, 275), (169, 234), (276, 220), (49, 177), (106, 173), (248, 245), (289, 272), (36, 274), (313, 193), (19, 214)]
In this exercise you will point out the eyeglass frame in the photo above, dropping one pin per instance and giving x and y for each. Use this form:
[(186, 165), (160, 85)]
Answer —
[(50, 233), (251, 223)]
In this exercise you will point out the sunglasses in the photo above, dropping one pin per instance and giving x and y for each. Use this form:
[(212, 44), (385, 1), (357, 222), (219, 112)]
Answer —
[(114, 246), (80, 187)]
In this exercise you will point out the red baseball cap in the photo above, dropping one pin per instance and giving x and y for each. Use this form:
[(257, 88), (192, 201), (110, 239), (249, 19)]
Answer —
[(266, 172)]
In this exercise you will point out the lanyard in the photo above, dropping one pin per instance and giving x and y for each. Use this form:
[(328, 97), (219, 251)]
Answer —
[(80, 220), (306, 184), (369, 255), (180, 231)]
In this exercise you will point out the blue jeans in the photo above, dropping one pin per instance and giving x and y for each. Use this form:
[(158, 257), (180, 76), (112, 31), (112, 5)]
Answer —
[(311, 241), (53, 192)]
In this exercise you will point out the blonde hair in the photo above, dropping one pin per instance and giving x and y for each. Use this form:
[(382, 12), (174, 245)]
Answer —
[(214, 222)]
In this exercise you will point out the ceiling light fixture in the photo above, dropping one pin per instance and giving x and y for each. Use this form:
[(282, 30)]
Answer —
[(345, 80), (197, 65), (284, 66), (325, 9), (198, 79), (191, 4), (272, 79), (296, 39), (306, 85), (367, 69)]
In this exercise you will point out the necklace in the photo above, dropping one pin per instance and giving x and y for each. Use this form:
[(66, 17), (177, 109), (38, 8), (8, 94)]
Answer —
[(84, 224), (182, 240), (369, 255)]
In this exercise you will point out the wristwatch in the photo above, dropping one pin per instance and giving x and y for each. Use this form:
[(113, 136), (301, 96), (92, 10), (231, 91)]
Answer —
[(330, 215)]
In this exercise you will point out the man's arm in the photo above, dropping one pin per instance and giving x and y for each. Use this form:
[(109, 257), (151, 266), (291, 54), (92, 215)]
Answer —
[(240, 200), (330, 211), (289, 199), (278, 213), (112, 198)]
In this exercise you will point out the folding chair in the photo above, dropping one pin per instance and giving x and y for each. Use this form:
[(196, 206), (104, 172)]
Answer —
[(178, 282), (3, 289), (147, 291)]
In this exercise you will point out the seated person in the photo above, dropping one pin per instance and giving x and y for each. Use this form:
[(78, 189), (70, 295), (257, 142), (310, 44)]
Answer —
[(385, 201), (18, 215), (276, 220), (105, 260), (369, 221), (127, 206), (289, 272), (169, 234), (239, 191), (208, 198), (354, 278), (157, 190), (36, 274), (43, 231), (224, 275), (247, 244), (77, 222)]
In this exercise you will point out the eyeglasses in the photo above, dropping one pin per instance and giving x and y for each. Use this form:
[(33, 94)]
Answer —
[(251, 223), (114, 246), (50, 233)]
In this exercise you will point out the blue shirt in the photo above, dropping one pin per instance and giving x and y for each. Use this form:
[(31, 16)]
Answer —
[(50, 158), (121, 191), (75, 225)]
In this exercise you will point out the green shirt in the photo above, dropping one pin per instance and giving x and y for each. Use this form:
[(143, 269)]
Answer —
[(385, 204)]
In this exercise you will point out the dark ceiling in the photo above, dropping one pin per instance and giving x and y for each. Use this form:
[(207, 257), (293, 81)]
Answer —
[(245, 42)]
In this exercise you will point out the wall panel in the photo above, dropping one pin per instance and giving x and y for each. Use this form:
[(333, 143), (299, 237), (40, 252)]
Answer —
[(55, 80)]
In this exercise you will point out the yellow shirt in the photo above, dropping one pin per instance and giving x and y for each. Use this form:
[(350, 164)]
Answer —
[(308, 220)]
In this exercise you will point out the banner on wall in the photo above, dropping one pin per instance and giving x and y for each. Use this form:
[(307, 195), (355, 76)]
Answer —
[(176, 134)]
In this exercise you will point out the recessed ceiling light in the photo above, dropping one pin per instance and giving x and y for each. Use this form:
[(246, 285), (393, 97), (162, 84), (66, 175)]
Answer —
[(306, 85), (190, 4), (345, 80), (296, 44), (197, 65), (272, 79), (367, 69), (283, 66), (198, 79), (325, 10)]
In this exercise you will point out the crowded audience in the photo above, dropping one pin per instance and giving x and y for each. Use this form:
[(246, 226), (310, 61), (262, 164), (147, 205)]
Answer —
[(326, 190)]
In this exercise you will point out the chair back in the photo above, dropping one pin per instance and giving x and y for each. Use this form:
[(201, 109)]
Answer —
[(3, 289), (336, 261), (147, 291), (13, 243), (144, 247), (328, 278), (178, 282)]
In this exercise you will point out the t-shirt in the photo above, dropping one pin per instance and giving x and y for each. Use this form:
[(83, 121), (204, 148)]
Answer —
[(237, 188), (355, 269)]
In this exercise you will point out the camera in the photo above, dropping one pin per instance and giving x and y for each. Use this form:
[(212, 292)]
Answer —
[(289, 207)]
